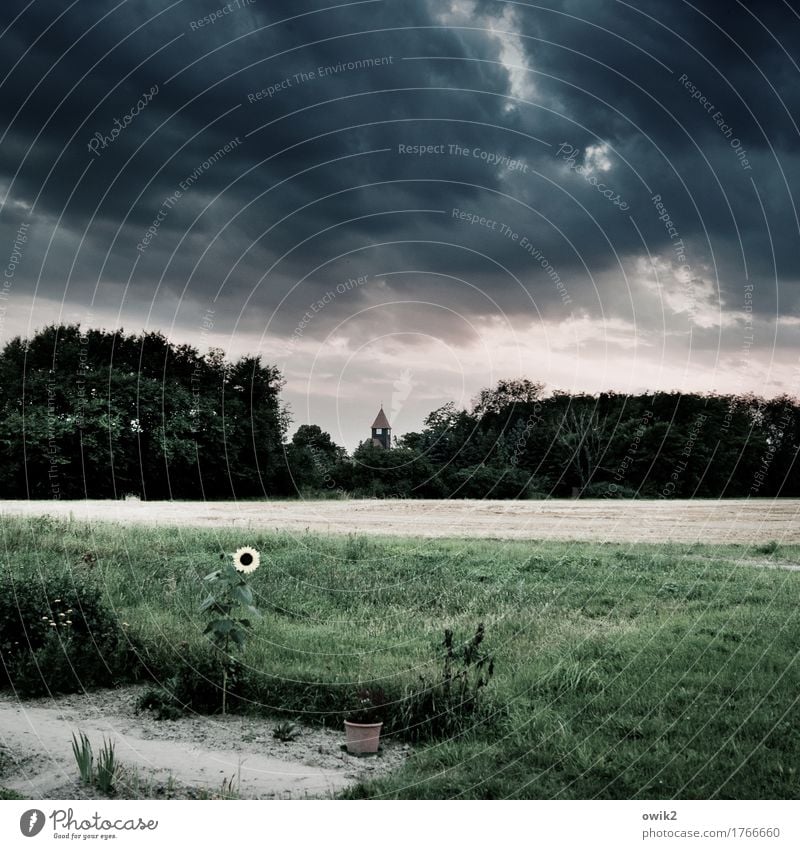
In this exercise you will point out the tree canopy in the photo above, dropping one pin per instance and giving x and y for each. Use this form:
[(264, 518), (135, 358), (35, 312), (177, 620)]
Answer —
[(95, 414), (99, 414)]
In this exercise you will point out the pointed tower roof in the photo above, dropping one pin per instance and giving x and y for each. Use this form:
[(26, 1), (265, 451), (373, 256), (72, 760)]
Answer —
[(381, 420)]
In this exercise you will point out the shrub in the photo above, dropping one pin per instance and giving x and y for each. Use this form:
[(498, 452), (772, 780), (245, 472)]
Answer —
[(58, 635), (194, 684), (161, 703), (453, 702)]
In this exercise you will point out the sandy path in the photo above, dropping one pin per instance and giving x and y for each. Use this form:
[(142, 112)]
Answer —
[(731, 521), (199, 752)]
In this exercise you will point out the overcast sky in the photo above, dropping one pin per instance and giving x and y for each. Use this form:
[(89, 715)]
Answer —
[(403, 201)]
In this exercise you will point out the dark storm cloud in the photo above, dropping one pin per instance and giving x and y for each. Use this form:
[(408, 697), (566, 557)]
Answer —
[(321, 152), (728, 79)]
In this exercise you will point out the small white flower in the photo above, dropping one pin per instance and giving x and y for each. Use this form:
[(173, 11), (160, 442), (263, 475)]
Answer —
[(246, 560)]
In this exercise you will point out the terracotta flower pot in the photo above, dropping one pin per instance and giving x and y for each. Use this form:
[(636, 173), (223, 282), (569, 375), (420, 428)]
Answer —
[(362, 739)]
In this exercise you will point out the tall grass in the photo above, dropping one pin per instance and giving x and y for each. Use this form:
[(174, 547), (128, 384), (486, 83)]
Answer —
[(620, 671)]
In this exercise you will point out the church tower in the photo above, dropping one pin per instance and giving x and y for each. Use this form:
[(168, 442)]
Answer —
[(381, 431)]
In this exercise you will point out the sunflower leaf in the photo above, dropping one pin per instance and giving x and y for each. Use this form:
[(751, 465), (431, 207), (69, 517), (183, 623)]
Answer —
[(243, 594)]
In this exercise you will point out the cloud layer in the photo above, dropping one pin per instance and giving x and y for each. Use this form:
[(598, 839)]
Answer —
[(597, 195)]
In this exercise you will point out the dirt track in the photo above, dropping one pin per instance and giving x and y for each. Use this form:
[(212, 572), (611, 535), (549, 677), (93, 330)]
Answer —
[(196, 752), (732, 521)]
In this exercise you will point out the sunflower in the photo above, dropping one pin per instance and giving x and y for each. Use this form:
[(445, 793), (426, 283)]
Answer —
[(246, 560)]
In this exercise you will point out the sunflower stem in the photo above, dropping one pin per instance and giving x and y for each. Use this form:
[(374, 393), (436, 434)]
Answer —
[(230, 604), (224, 690)]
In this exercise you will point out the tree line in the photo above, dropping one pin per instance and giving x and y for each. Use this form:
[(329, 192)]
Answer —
[(99, 414), (96, 414)]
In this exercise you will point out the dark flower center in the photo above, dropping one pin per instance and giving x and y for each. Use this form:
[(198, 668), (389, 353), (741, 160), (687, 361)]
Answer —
[(246, 559)]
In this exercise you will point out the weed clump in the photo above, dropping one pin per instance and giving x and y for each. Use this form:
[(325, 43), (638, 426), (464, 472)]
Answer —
[(286, 731), (453, 702), (103, 774)]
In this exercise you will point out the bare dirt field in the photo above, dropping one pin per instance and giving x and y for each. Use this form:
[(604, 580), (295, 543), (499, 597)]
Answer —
[(718, 522), (180, 758)]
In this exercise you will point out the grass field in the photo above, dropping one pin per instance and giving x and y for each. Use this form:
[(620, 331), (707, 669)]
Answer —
[(621, 671)]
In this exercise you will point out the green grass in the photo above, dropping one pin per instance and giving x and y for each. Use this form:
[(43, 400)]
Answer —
[(6, 794), (622, 671), (6, 765)]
